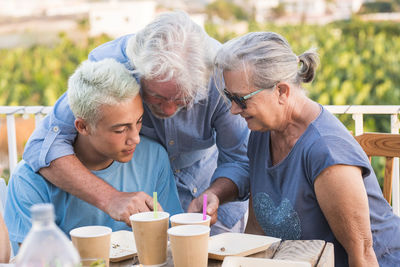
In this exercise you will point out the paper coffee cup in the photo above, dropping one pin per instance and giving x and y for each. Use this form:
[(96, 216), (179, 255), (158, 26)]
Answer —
[(150, 233), (189, 218), (189, 244), (92, 242)]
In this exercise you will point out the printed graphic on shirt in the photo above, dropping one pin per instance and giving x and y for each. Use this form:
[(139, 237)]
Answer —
[(278, 221)]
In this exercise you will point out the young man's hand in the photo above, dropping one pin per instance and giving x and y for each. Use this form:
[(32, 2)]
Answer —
[(123, 204)]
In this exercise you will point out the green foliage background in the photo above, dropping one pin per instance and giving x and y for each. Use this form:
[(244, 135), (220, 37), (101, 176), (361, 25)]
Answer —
[(38, 75)]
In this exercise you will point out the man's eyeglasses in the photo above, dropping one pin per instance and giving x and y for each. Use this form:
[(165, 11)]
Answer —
[(241, 100), (180, 102)]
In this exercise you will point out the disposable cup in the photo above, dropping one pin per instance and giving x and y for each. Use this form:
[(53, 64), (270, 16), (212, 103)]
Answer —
[(189, 218), (150, 233), (92, 242), (189, 245)]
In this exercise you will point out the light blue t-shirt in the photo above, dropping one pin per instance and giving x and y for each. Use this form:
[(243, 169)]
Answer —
[(283, 195), (203, 142), (148, 171)]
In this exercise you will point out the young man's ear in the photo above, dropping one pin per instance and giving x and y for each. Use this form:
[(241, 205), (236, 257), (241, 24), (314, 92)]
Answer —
[(82, 126)]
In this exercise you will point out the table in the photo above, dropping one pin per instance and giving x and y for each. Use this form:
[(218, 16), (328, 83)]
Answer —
[(317, 252)]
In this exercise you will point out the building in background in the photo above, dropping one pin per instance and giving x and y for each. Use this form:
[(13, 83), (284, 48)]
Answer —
[(113, 17), (37, 8), (304, 11), (117, 18), (262, 8)]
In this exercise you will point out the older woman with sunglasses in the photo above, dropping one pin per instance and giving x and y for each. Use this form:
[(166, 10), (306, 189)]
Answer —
[(309, 178)]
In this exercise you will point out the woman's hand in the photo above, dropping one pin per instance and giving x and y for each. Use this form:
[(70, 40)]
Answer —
[(220, 191), (212, 205)]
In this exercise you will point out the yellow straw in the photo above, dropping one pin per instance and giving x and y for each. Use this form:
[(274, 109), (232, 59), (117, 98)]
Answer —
[(155, 204)]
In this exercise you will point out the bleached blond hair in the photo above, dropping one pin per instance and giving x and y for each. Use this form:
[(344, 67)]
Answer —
[(94, 84)]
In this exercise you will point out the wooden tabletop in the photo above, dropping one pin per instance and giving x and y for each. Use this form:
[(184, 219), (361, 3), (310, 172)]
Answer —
[(317, 252)]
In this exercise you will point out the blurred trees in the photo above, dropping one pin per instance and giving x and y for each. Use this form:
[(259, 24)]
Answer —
[(380, 6), (38, 75), (278, 11), (226, 10)]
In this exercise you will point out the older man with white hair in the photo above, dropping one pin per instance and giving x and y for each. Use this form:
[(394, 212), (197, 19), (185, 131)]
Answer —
[(172, 58)]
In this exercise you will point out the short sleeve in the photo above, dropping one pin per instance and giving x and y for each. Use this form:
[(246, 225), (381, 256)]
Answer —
[(333, 150), (25, 189)]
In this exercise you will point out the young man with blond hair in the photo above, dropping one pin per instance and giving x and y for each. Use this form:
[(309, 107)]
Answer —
[(108, 111)]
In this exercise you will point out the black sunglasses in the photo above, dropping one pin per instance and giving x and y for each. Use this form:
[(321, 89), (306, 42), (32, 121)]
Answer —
[(240, 100)]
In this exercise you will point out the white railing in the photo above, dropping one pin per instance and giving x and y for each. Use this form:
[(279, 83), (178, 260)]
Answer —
[(10, 112), (357, 114)]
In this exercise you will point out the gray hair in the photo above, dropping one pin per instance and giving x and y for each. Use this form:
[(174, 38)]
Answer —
[(172, 46), (268, 57), (94, 84)]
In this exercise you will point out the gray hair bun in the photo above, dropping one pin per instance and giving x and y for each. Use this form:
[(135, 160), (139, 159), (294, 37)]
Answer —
[(309, 61)]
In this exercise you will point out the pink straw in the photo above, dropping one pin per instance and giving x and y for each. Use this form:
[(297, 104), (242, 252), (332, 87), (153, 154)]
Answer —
[(204, 207)]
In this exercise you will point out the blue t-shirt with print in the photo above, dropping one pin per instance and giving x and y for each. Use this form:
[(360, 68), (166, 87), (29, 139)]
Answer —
[(283, 195)]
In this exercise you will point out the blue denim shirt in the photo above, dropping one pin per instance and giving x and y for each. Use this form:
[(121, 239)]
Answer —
[(203, 142)]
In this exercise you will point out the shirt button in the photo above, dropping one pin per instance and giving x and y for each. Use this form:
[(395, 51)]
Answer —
[(194, 190), (56, 129), (171, 142)]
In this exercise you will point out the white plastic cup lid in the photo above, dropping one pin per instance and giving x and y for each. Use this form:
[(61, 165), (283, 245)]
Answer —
[(188, 230), (189, 218), (149, 216), (90, 231)]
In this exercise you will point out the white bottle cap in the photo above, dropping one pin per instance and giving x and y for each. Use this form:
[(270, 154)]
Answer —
[(43, 211)]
